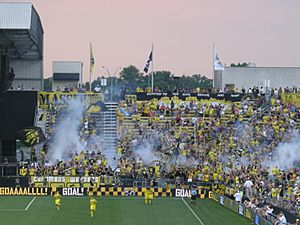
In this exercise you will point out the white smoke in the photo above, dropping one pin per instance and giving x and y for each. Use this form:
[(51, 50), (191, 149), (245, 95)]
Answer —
[(287, 154), (146, 153), (97, 143), (66, 137), (188, 162)]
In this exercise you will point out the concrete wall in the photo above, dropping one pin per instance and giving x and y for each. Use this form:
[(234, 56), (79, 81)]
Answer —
[(255, 76), (218, 79), (67, 67), (28, 74), (63, 84)]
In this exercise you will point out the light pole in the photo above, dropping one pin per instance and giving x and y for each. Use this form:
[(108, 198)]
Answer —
[(112, 77)]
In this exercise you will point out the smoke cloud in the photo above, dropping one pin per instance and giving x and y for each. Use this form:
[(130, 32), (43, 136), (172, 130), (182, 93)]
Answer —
[(66, 134), (287, 154)]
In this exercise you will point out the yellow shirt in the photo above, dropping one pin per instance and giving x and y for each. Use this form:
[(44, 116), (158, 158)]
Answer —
[(149, 193), (93, 203), (57, 196), (31, 171), (73, 171)]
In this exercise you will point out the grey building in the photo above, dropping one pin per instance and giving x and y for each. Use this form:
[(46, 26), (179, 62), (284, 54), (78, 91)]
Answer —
[(21, 37), (248, 77), (66, 74)]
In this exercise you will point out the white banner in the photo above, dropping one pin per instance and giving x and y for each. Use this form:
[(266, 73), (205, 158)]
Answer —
[(182, 193)]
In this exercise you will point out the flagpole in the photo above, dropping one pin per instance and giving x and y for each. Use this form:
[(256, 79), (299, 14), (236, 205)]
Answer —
[(90, 80), (213, 65), (152, 81), (90, 77)]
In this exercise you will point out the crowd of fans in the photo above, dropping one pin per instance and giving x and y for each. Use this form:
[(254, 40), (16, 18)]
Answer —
[(221, 150), (255, 90), (175, 142)]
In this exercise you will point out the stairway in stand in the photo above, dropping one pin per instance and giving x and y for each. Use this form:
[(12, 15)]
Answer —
[(107, 126)]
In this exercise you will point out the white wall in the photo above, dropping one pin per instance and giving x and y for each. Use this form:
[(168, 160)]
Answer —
[(68, 67), (255, 76)]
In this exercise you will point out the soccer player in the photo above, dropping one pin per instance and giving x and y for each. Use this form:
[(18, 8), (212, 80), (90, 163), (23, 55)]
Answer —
[(57, 200), (149, 196), (93, 204), (193, 196)]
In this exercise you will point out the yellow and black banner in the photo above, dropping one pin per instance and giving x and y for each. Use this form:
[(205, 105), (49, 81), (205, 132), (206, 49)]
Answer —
[(31, 136), (48, 98)]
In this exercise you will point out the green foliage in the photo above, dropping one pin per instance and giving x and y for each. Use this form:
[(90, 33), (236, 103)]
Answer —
[(48, 84), (131, 77)]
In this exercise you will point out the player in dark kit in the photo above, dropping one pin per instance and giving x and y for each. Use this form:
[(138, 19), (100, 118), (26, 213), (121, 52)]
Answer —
[(193, 196)]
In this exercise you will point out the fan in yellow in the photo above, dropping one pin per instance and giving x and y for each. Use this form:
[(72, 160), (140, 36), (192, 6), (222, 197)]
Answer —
[(57, 200), (93, 205)]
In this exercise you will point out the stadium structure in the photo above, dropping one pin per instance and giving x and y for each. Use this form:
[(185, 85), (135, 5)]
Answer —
[(158, 147), (66, 74), (22, 39), (249, 76)]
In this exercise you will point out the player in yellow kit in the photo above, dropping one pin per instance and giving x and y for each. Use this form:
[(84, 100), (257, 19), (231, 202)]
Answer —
[(93, 205), (57, 200), (149, 196)]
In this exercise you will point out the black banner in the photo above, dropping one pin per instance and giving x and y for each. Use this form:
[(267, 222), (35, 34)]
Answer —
[(31, 136), (233, 97)]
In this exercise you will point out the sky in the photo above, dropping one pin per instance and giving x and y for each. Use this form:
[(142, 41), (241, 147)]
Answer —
[(266, 32)]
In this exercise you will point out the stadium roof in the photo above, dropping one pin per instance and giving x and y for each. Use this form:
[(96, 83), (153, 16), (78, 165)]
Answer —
[(21, 31)]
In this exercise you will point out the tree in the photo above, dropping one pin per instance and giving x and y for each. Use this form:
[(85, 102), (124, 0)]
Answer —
[(163, 80), (203, 81), (48, 84), (131, 77)]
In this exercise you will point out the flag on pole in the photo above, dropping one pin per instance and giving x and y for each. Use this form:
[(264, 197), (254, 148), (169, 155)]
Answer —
[(217, 63), (92, 61), (146, 68)]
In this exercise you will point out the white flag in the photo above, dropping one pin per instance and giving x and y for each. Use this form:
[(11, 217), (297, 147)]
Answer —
[(217, 63)]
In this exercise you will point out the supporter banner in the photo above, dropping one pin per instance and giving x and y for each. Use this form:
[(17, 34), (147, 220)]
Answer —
[(72, 191), (257, 219), (241, 209), (31, 136), (113, 191), (47, 98), (63, 179), (23, 191), (182, 193), (186, 193), (233, 97), (221, 200), (97, 107)]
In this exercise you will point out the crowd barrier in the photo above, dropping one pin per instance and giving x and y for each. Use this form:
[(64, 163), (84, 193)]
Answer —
[(243, 211), (240, 209), (102, 191)]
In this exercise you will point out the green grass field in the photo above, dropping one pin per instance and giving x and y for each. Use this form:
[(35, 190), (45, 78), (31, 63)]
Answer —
[(115, 211)]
